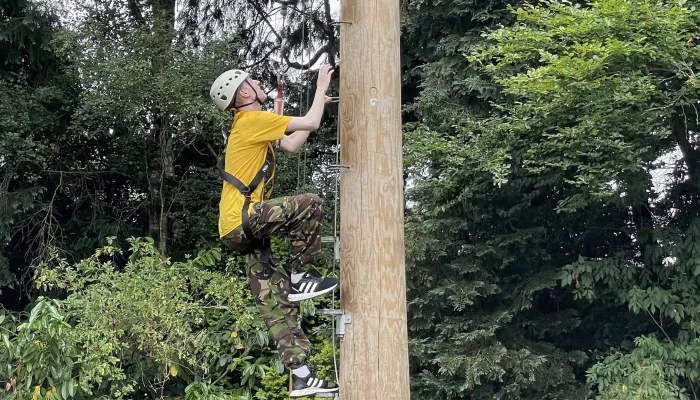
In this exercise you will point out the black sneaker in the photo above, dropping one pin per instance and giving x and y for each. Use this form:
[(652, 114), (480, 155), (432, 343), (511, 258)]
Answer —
[(310, 286), (311, 386)]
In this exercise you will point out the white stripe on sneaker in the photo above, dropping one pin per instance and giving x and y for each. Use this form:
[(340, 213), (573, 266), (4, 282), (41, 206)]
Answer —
[(313, 287), (303, 296), (310, 392), (302, 288)]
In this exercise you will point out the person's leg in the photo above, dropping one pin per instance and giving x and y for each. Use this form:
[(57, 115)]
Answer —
[(301, 217), (271, 290), (281, 316)]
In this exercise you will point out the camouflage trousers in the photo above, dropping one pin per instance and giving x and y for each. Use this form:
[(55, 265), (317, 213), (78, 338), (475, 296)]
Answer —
[(301, 218)]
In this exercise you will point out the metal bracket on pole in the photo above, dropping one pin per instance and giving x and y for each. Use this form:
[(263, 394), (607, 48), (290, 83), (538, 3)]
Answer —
[(341, 318), (329, 395), (336, 247), (338, 166)]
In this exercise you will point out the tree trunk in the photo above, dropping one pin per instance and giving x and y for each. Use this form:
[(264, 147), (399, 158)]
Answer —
[(161, 158), (691, 156)]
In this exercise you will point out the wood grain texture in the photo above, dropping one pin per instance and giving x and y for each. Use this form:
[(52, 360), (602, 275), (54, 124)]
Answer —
[(374, 354)]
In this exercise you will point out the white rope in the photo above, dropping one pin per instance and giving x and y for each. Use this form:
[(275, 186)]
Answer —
[(301, 88), (308, 76)]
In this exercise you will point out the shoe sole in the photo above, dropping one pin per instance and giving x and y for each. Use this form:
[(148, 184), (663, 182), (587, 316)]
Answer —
[(305, 296), (310, 392)]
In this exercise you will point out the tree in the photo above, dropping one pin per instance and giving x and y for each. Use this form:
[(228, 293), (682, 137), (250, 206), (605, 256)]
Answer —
[(609, 90), (38, 93), (477, 279), (555, 188)]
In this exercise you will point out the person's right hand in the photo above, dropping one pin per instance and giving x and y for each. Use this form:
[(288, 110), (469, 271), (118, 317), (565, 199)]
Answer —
[(324, 77)]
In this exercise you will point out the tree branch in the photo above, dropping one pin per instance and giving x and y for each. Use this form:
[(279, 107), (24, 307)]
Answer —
[(333, 40), (262, 15), (657, 324), (690, 154), (291, 64), (311, 62), (327, 9), (260, 61), (692, 387), (51, 171)]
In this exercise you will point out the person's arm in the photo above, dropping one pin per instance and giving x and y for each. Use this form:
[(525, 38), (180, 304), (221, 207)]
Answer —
[(312, 120), (292, 143)]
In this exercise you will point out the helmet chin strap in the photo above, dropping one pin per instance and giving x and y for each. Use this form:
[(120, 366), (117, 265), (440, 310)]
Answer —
[(257, 99)]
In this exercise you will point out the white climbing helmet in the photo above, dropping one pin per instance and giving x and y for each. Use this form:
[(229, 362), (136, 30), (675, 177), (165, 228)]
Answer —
[(224, 87)]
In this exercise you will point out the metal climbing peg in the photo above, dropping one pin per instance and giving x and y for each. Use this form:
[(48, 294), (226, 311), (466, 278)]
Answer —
[(341, 318)]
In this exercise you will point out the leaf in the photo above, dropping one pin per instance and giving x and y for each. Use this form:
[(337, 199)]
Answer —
[(173, 370), (64, 390)]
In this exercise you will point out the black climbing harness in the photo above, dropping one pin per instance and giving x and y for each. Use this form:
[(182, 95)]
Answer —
[(264, 174)]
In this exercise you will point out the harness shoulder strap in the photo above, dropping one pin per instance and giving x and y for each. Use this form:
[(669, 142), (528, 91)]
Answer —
[(264, 173)]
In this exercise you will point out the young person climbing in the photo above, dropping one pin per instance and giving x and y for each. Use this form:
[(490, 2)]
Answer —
[(249, 217)]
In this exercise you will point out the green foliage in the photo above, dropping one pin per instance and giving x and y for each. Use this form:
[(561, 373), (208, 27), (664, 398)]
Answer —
[(40, 354), (593, 90), (148, 325), (26, 28), (275, 386), (650, 371), (36, 96), (480, 260), (665, 290), (539, 249)]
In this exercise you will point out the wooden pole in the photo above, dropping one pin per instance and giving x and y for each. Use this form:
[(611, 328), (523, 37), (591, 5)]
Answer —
[(374, 352)]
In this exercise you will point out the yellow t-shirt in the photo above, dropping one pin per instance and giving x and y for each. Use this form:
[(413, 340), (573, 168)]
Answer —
[(252, 134)]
